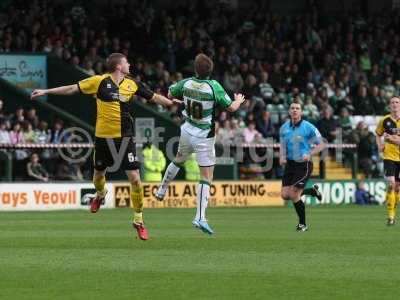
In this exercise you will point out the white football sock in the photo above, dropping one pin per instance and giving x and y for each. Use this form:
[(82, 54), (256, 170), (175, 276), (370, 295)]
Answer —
[(169, 175), (203, 193)]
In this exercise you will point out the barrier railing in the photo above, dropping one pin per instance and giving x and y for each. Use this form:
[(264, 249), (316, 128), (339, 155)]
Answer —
[(322, 166), (90, 145), (8, 157)]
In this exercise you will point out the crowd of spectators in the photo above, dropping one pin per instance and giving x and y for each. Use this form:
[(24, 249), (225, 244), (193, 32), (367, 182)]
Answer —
[(337, 66), (25, 126)]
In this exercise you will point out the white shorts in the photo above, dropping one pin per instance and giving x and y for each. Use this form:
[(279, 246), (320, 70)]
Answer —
[(203, 147)]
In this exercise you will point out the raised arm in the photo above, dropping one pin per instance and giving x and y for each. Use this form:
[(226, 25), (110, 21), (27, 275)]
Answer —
[(239, 99), (61, 90), (87, 86)]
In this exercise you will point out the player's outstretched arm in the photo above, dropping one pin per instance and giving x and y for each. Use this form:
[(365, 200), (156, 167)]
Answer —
[(62, 90), (174, 99), (160, 99), (239, 99)]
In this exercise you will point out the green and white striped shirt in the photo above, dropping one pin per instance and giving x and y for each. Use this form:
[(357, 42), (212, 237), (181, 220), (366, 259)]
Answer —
[(201, 98)]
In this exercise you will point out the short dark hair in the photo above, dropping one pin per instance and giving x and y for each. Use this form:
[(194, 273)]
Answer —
[(296, 101), (113, 60), (203, 66)]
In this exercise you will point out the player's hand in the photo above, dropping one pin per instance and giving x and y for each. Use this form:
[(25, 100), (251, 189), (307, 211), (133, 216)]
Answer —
[(239, 97), (282, 161), (177, 101), (306, 157), (37, 93), (391, 138)]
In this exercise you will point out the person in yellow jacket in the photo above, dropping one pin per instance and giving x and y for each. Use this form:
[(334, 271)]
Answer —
[(154, 163), (192, 170)]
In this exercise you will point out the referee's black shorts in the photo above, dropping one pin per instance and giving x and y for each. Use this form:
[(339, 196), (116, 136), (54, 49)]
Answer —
[(103, 157), (297, 173), (392, 168)]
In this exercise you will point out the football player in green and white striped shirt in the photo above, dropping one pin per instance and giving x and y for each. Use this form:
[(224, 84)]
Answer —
[(201, 96)]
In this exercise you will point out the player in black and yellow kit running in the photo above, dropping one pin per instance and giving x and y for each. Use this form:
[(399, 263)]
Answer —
[(389, 129), (114, 93)]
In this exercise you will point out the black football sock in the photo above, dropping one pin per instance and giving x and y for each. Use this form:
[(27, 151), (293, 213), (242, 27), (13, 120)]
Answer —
[(301, 211)]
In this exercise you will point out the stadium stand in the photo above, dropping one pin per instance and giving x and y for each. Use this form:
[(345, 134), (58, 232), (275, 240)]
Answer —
[(329, 63)]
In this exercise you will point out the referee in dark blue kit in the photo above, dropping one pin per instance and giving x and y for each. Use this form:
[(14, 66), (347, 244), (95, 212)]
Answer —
[(296, 139)]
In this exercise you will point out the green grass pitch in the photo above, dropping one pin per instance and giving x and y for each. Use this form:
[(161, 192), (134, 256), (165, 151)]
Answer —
[(348, 253)]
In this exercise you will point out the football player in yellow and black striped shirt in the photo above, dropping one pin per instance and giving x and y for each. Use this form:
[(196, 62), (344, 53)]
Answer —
[(114, 93), (389, 129)]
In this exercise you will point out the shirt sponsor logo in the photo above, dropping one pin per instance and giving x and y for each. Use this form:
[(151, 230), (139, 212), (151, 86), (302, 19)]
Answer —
[(222, 193), (117, 96), (196, 85)]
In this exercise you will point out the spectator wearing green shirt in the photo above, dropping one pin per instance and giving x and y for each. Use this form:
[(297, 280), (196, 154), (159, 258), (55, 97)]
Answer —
[(345, 123), (365, 61), (35, 170)]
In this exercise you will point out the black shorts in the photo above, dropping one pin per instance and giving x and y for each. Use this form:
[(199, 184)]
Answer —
[(104, 158), (297, 173), (392, 168)]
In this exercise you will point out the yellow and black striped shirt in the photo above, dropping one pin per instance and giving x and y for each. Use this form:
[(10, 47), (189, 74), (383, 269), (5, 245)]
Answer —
[(113, 103), (390, 126)]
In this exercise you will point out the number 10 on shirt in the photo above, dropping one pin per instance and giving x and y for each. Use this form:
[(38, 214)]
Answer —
[(194, 109)]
